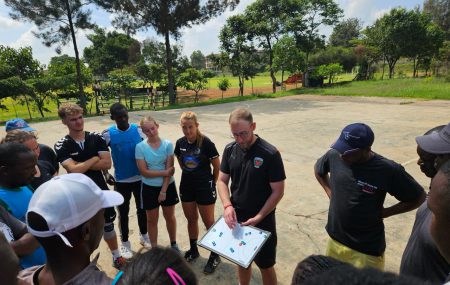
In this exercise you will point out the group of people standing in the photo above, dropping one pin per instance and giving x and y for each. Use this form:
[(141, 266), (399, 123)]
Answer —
[(144, 167), (69, 213)]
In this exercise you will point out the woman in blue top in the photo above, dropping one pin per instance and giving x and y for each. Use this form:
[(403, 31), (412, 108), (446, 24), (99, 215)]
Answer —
[(199, 160), (154, 158)]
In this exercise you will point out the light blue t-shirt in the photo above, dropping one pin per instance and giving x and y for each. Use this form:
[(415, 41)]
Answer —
[(155, 159)]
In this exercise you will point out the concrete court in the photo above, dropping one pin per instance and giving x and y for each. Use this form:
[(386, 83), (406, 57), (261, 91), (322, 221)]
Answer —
[(302, 127)]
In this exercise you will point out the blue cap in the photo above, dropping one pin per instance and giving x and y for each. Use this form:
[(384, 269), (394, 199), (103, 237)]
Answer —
[(354, 137), (18, 124)]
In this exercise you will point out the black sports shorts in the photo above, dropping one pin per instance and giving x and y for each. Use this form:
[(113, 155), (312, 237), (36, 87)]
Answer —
[(149, 196)]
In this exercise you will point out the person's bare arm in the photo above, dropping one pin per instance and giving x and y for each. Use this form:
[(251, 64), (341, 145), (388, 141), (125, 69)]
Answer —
[(166, 181), (73, 166), (324, 181), (215, 162), (224, 193), (26, 245), (142, 166), (269, 206), (104, 163), (403, 207)]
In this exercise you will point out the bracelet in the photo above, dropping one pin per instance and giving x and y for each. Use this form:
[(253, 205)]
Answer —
[(162, 193), (226, 206)]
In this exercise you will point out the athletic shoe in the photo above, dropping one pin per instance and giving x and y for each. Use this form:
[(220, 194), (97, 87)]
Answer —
[(119, 262), (176, 248), (125, 250), (191, 255), (145, 241), (211, 265)]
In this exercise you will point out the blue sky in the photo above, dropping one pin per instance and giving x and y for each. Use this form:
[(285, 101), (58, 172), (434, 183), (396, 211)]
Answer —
[(202, 37)]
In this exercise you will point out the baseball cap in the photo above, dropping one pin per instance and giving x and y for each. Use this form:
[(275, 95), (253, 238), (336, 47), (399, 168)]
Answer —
[(67, 201), (436, 142), (354, 137), (18, 124)]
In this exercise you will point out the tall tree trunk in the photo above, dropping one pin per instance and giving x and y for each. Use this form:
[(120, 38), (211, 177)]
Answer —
[(384, 65), (77, 58), (241, 86), (415, 68), (171, 82), (272, 73), (28, 106)]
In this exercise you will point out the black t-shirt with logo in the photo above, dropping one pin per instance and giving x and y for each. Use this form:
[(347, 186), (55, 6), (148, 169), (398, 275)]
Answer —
[(195, 161), (93, 143), (358, 193), (251, 173)]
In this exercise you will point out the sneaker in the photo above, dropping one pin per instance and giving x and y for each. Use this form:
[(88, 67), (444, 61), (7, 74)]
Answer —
[(212, 264), (191, 255), (145, 241), (125, 250), (176, 248), (119, 262)]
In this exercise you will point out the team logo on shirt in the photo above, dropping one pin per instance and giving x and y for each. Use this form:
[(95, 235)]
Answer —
[(366, 187), (257, 162)]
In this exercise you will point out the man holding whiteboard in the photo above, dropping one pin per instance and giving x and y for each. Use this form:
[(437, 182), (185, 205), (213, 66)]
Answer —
[(257, 185)]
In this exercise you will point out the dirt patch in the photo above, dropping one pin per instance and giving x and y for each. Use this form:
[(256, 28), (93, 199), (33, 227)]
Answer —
[(205, 95)]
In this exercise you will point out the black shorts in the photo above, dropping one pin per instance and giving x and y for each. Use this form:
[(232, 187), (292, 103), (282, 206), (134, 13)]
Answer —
[(202, 192), (266, 257), (149, 196), (110, 215)]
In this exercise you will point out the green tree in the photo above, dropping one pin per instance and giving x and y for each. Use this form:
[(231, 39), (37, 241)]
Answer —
[(219, 61), (195, 80), (57, 22), (304, 18), (287, 57), (167, 18), (111, 51), (334, 54), (395, 34), (154, 52), (237, 45), (439, 10), (346, 31), (223, 84), (265, 25), (329, 70), (17, 66), (198, 60)]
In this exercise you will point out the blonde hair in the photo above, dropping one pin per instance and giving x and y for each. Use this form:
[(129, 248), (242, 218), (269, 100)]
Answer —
[(18, 136), (68, 109), (147, 118), (241, 114), (189, 115)]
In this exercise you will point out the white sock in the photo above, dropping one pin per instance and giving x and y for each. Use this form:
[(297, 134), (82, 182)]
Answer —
[(116, 253)]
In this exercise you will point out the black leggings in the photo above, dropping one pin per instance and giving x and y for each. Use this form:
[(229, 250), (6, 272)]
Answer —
[(126, 189)]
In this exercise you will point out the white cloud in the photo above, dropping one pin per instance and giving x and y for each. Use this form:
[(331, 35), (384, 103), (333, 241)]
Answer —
[(7, 23), (380, 13), (205, 37)]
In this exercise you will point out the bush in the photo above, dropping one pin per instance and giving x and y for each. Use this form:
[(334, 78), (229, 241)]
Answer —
[(223, 85)]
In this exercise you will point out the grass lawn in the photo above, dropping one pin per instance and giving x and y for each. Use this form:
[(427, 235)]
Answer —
[(425, 88)]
